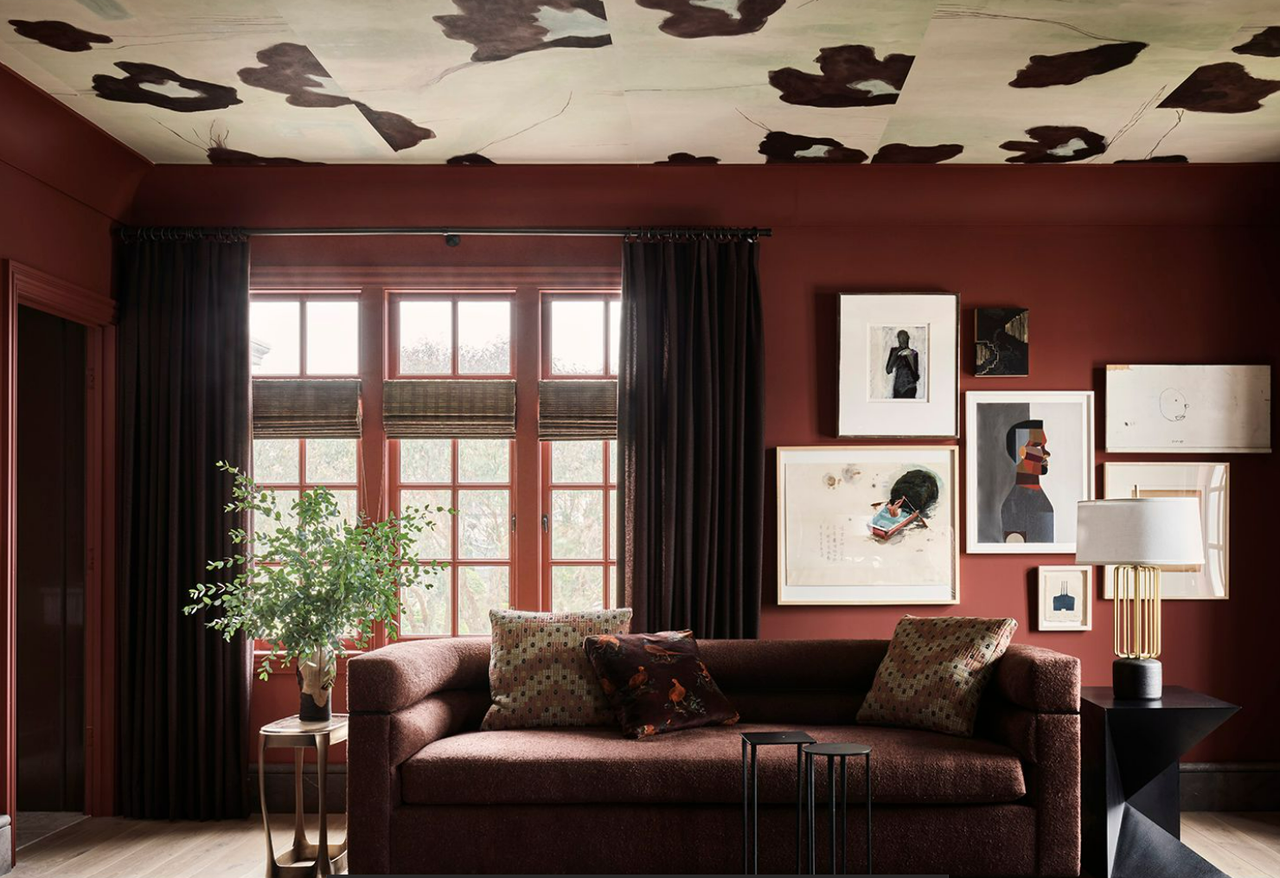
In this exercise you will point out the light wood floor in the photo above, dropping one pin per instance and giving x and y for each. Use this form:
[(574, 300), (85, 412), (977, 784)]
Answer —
[(1244, 845)]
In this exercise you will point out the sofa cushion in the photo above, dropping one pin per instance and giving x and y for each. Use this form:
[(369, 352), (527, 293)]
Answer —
[(934, 673), (594, 765), (538, 674), (657, 683)]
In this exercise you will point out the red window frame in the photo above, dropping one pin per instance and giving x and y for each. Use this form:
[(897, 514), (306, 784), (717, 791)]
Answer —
[(303, 297)]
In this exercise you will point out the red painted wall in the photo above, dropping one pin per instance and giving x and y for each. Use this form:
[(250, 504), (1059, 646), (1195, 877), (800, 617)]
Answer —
[(1117, 264)]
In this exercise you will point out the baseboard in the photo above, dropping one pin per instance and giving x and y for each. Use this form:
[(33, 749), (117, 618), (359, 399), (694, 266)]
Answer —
[(1206, 786), (1230, 786), (279, 787)]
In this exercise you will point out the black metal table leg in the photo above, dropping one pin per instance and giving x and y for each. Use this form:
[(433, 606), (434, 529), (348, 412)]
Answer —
[(746, 839), (799, 811), (844, 818), (755, 814), (751, 794), (868, 780)]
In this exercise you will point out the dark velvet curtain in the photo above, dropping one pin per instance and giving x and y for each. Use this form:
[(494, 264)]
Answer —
[(691, 435), (183, 405)]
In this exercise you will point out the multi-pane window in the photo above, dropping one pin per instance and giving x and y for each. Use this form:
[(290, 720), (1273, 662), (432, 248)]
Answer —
[(291, 466), (441, 335), (304, 334), (581, 335)]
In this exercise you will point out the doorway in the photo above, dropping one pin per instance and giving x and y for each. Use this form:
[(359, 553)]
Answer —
[(50, 573)]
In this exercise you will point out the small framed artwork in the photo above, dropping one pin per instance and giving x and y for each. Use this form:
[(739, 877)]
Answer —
[(899, 361), (1192, 409), (1028, 462), (1000, 343), (868, 525), (1210, 484), (1065, 599)]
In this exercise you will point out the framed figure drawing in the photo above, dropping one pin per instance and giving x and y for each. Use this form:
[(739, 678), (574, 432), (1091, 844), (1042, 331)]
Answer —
[(1193, 409), (899, 358), (1029, 460), (1064, 596), (1210, 484), (868, 525)]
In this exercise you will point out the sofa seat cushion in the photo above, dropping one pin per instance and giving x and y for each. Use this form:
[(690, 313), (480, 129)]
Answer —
[(595, 765)]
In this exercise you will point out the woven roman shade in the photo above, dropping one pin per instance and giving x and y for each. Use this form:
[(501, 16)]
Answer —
[(290, 408), (577, 409), (449, 408)]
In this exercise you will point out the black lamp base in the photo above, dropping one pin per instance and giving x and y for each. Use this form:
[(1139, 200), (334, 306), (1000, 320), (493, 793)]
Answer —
[(1137, 679)]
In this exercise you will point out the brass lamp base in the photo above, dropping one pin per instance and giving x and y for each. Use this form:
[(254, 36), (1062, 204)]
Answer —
[(1137, 679)]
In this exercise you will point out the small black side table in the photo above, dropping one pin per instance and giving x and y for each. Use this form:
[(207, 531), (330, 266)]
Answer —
[(843, 752), (1130, 814), (751, 796)]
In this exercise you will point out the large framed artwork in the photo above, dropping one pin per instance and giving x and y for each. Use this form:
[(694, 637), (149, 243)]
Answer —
[(1028, 461), (899, 361), (868, 525), (1210, 484), (1189, 409)]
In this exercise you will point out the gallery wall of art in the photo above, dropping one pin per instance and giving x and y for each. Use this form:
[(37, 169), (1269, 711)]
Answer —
[(1116, 265)]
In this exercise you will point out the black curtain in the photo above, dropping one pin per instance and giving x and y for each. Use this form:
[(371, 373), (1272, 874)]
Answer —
[(183, 405), (691, 435)]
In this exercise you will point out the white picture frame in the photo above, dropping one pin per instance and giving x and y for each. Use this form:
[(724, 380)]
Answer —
[(1064, 598), (1189, 409), (996, 496), (828, 498), (1210, 483), (893, 390)]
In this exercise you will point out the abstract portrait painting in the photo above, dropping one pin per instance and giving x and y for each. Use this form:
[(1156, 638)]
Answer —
[(1207, 483), (868, 525), (1001, 343), (899, 365), (1192, 409), (1029, 461)]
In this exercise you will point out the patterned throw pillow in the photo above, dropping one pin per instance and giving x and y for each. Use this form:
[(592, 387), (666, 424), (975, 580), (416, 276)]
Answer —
[(657, 683), (538, 674), (935, 671)]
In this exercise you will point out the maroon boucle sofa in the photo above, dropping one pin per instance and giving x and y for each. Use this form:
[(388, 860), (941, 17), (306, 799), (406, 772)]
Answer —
[(429, 792)]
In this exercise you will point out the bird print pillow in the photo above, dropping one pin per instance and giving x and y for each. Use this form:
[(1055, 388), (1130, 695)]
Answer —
[(657, 683)]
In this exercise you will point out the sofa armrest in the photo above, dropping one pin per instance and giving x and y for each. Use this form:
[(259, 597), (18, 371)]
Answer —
[(1039, 680), (402, 674)]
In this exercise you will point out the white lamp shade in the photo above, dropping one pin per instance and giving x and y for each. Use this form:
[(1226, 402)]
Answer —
[(1154, 531)]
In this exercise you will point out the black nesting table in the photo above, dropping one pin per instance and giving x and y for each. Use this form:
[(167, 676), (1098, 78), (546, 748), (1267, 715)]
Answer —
[(751, 797), (834, 752), (1129, 751)]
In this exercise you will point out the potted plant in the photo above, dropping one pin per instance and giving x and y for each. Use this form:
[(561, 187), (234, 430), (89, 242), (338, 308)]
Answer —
[(310, 584)]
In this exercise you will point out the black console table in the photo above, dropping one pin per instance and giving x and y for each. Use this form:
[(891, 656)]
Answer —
[(1129, 751)]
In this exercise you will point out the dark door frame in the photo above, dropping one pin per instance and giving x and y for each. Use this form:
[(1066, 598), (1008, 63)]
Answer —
[(20, 285)]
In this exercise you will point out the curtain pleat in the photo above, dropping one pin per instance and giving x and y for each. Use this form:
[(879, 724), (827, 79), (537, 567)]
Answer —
[(183, 405), (691, 436)]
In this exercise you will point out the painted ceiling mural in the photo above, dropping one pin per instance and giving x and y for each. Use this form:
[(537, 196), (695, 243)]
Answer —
[(478, 82)]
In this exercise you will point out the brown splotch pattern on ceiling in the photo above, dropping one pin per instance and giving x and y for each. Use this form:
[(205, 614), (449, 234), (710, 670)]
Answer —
[(588, 81), (852, 76), (1056, 143), (690, 19), (1068, 68), (226, 157), (779, 146), (58, 35), (501, 29), (1225, 87), (1265, 44), (143, 84)]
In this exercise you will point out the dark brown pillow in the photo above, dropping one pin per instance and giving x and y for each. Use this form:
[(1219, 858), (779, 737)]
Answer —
[(657, 683)]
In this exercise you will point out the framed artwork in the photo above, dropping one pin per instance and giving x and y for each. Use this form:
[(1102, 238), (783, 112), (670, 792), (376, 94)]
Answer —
[(1028, 461), (1000, 343), (1064, 598), (868, 525), (899, 361), (1194, 409), (1210, 483)]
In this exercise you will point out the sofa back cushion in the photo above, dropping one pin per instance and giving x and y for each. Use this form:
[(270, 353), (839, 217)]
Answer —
[(539, 675)]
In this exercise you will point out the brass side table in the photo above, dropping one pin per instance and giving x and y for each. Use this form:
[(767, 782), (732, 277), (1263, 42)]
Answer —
[(303, 859)]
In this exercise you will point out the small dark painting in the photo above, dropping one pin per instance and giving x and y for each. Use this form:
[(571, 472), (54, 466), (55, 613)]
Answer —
[(1000, 337)]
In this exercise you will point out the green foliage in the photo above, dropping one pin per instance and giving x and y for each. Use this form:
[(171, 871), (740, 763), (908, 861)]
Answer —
[(306, 581)]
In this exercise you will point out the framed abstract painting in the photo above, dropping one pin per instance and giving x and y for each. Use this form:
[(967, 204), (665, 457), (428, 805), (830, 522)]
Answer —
[(1028, 461), (868, 525), (899, 362), (1210, 484), (1064, 598), (1000, 341)]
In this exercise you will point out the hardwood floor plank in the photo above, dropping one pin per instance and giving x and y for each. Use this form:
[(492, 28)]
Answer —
[(1217, 855)]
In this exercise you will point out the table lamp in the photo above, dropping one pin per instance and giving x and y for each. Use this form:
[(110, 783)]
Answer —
[(1138, 537)]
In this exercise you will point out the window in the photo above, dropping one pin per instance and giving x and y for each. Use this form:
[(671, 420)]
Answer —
[(440, 335), (304, 334)]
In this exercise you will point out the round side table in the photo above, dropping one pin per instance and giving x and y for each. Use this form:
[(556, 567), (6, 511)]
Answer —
[(834, 752), (303, 859)]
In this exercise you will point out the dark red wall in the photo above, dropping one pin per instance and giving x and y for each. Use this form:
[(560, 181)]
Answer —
[(1116, 263)]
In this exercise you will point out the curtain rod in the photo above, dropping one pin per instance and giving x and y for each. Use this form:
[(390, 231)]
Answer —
[(451, 234)]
